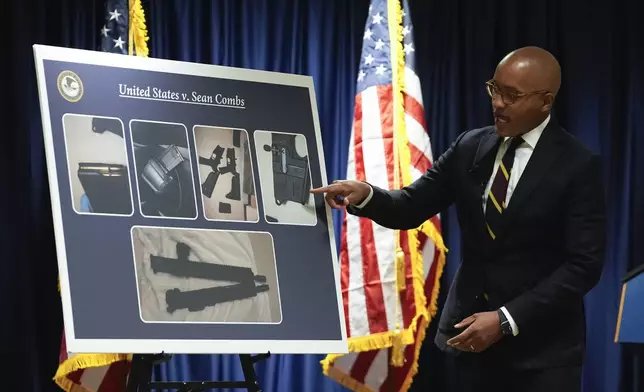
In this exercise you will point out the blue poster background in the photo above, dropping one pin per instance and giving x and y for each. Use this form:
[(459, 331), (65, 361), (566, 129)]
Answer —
[(99, 248)]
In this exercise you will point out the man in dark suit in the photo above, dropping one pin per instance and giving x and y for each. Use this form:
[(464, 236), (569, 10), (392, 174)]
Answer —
[(530, 204)]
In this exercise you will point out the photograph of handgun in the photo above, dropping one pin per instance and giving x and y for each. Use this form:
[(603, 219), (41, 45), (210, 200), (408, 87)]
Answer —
[(98, 165)]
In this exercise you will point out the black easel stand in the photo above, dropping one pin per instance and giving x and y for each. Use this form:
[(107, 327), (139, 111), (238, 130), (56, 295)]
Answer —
[(141, 376)]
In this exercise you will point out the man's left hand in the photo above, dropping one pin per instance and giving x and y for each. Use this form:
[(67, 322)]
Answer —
[(483, 330)]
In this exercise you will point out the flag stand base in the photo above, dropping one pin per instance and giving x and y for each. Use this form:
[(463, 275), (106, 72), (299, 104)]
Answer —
[(140, 378)]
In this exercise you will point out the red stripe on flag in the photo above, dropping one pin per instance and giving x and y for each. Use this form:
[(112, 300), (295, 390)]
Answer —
[(115, 379), (76, 376), (363, 363), (418, 159), (414, 109), (437, 223), (370, 270), (62, 355)]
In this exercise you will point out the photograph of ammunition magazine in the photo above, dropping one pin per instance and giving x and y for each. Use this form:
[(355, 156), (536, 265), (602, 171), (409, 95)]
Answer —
[(163, 170), (205, 276), (226, 174), (97, 164), (285, 178)]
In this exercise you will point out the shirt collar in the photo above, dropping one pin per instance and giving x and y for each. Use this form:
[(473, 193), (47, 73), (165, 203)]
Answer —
[(533, 136)]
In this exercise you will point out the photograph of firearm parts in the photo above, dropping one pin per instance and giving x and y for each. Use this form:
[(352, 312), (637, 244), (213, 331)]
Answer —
[(285, 177), (163, 169), (97, 165), (226, 174), (198, 275)]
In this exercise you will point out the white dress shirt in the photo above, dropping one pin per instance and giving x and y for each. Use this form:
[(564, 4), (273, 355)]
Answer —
[(521, 158)]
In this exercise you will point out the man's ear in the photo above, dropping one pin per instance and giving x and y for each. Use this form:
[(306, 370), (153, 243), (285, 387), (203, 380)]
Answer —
[(548, 102)]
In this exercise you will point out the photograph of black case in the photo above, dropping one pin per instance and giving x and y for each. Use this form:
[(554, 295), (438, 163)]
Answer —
[(106, 186)]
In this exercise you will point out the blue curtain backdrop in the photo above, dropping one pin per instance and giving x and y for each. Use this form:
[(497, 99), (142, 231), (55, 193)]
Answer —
[(599, 43), (31, 317)]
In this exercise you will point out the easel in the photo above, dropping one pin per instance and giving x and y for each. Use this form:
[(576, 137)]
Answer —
[(140, 379)]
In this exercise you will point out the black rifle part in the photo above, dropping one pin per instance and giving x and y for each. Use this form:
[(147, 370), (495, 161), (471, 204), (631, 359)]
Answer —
[(215, 158), (224, 208), (183, 251), (209, 185), (107, 186), (235, 188), (231, 162), (196, 300), (112, 125), (182, 268), (214, 161), (248, 185), (291, 176), (231, 167), (237, 138)]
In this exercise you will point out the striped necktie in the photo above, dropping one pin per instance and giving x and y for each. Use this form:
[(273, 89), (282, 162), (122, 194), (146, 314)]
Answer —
[(496, 198)]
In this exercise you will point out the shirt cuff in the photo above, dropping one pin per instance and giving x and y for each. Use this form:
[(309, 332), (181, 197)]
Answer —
[(366, 200), (515, 327)]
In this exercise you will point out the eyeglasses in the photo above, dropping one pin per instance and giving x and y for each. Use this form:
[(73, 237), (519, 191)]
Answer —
[(507, 97)]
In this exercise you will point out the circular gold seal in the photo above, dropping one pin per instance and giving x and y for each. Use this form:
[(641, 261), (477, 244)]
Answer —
[(70, 86)]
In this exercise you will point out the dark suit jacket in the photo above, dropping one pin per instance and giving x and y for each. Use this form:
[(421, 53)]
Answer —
[(547, 255)]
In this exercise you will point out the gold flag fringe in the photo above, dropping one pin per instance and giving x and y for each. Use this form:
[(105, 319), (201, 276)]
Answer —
[(138, 31), (84, 361)]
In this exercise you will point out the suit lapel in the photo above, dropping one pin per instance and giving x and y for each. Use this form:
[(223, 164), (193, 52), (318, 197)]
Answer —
[(485, 154), (543, 157)]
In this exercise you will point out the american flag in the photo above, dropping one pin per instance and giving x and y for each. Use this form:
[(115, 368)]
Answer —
[(106, 372), (390, 148)]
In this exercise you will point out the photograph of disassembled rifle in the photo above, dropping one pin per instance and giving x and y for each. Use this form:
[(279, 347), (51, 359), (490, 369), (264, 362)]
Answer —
[(226, 174)]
